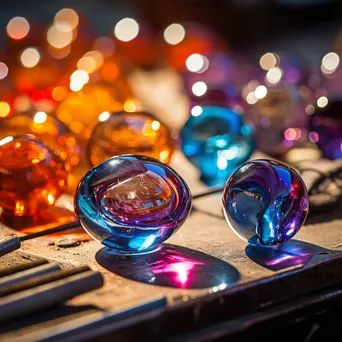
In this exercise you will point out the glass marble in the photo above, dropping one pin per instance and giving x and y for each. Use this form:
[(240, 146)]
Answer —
[(265, 202), (217, 140), (32, 176), (49, 130), (132, 203), (130, 133), (326, 129)]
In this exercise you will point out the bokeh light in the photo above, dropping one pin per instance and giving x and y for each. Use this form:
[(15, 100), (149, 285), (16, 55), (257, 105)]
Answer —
[(59, 38), (18, 28), (199, 88), (322, 101), (126, 29), (66, 18), (5, 109), (30, 57), (197, 63), (174, 34), (330, 63), (268, 61), (3, 70)]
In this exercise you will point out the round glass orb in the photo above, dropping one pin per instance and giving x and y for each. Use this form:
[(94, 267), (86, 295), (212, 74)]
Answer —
[(217, 140), (132, 203), (49, 130), (32, 176), (80, 110), (130, 133), (326, 129), (265, 202)]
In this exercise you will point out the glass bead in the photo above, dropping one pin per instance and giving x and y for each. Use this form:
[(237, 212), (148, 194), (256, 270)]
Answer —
[(130, 133), (217, 140), (132, 203), (326, 129), (32, 176), (49, 130), (265, 202)]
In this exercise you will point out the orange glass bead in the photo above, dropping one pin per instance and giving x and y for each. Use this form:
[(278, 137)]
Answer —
[(32, 176), (130, 133), (49, 130), (80, 110)]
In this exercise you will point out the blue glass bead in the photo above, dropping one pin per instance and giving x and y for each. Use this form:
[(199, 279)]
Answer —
[(132, 203), (265, 202), (217, 140)]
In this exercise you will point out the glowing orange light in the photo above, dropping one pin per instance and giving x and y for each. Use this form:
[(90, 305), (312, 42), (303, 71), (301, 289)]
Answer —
[(130, 106), (18, 28), (59, 93), (87, 63), (50, 199), (5, 109), (110, 72), (19, 208)]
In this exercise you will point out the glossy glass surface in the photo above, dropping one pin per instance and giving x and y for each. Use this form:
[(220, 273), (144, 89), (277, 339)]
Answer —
[(265, 202), (132, 203), (217, 141), (326, 129), (32, 177), (49, 130), (127, 133)]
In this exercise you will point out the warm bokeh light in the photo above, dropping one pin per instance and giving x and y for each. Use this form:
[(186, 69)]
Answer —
[(58, 38), (314, 137), (59, 93), (30, 57), (268, 61), (251, 98), (80, 76), (196, 110), (18, 28), (130, 106), (174, 34), (3, 70), (76, 85), (260, 92), (87, 64), (330, 63), (105, 45), (104, 116), (126, 29), (97, 56), (155, 125), (40, 117), (197, 63), (274, 75), (322, 101), (110, 72), (65, 18), (5, 109), (199, 88)]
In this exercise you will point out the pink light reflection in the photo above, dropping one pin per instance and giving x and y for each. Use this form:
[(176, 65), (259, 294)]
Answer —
[(179, 266)]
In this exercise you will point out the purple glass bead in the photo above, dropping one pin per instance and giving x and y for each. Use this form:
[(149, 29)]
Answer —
[(265, 202), (132, 203), (326, 129)]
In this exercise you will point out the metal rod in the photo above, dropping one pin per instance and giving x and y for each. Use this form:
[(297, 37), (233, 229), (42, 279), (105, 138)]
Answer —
[(31, 273), (21, 267), (43, 279), (50, 294), (212, 191), (70, 225), (9, 244)]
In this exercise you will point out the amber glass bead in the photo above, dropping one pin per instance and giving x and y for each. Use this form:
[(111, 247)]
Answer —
[(32, 176), (49, 130), (130, 133), (80, 110)]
